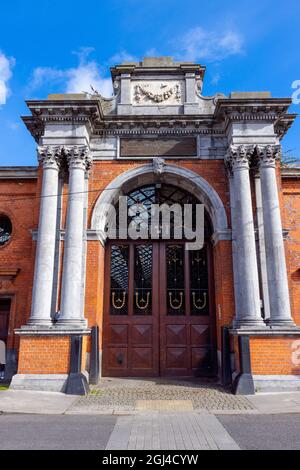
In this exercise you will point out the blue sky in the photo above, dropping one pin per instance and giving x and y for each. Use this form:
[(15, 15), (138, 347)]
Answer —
[(60, 46)]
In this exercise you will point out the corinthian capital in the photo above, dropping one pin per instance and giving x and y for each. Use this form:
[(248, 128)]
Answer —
[(238, 156), (49, 156), (78, 156), (268, 154)]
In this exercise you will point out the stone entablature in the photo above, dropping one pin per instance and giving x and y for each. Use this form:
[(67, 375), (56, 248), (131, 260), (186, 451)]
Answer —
[(159, 98)]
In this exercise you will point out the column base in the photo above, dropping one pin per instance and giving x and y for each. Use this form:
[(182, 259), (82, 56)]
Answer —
[(40, 322), (281, 323), (72, 323), (246, 324)]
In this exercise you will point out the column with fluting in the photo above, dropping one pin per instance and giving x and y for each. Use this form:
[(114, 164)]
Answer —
[(50, 159), (71, 314), (248, 313), (280, 310)]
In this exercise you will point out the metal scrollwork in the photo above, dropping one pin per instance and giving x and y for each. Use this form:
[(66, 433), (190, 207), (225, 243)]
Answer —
[(172, 302), (146, 302), (197, 303), (119, 302)]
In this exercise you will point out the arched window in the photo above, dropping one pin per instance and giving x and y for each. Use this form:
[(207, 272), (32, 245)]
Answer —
[(5, 229), (146, 196)]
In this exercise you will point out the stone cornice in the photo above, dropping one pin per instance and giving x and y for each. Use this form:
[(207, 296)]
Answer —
[(89, 111), (147, 67), (290, 171), (261, 107), (62, 111), (18, 172), (283, 124), (156, 125), (255, 109)]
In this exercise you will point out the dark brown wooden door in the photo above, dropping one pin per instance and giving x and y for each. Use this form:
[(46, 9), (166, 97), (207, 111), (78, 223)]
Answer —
[(4, 317), (157, 310)]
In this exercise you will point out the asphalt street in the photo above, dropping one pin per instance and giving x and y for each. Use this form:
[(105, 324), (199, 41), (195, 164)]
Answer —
[(55, 432), (78, 432), (264, 432)]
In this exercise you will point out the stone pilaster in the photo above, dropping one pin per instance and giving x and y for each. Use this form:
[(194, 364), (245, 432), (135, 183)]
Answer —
[(248, 312), (280, 311), (79, 161), (50, 158)]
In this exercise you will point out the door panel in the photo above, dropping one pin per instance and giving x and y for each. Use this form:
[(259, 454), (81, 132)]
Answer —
[(5, 305), (131, 311), (185, 332), (158, 312)]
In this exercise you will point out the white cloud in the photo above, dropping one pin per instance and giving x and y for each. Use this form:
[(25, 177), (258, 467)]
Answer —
[(122, 56), (74, 80), (6, 65), (212, 46), (215, 78), (79, 79)]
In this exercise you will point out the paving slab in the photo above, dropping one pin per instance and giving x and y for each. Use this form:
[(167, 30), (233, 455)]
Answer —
[(170, 431), (272, 403), (32, 402)]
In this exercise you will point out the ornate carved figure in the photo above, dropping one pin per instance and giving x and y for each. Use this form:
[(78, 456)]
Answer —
[(158, 165)]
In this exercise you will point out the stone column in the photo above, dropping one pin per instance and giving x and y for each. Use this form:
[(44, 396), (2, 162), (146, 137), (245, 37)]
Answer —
[(280, 311), (49, 157), (71, 313), (261, 246), (236, 277), (249, 314)]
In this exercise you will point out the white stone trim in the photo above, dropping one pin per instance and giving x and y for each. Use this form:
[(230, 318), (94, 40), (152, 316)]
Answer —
[(221, 235), (18, 172)]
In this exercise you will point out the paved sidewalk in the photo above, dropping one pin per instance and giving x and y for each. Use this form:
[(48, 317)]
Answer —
[(25, 401), (274, 403), (120, 397), (115, 395), (170, 431)]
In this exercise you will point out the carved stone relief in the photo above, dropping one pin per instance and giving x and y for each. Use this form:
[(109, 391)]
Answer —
[(157, 92)]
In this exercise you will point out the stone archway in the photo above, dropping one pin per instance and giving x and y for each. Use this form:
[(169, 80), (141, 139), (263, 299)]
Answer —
[(172, 174), (118, 328)]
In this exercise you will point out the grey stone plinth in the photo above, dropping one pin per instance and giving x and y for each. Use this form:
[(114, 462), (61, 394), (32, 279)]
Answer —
[(276, 383), (54, 329), (44, 382)]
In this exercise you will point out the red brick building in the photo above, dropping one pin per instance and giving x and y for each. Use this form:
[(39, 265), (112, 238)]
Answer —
[(159, 307)]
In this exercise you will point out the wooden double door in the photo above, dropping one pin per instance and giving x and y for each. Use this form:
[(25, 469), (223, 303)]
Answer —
[(158, 310)]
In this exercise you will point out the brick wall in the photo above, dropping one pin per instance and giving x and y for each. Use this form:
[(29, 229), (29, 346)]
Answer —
[(275, 355), (44, 355), (18, 201), (291, 221)]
